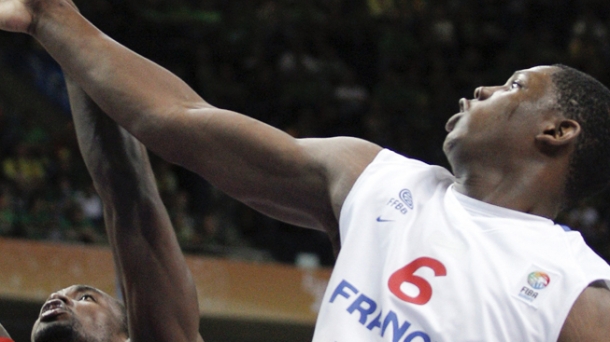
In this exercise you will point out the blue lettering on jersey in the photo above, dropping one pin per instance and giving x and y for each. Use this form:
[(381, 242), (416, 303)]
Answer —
[(365, 309), (397, 205)]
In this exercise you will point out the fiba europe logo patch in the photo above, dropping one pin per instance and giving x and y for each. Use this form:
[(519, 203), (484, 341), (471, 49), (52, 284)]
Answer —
[(534, 285), (538, 280)]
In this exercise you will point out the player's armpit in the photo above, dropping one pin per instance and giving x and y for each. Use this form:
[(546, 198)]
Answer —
[(589, 318)]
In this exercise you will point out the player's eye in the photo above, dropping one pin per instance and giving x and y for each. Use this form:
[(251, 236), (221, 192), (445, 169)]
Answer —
[(87, 297), (515, 85)]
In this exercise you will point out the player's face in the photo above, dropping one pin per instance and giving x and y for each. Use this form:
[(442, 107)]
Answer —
[(501, 121), (78, 314)]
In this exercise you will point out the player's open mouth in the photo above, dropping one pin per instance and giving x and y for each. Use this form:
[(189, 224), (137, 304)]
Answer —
[(464, 105), (452, 121), (51, 310)]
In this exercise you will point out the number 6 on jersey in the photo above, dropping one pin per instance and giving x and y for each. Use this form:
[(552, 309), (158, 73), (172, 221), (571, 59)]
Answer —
[(406, 274)]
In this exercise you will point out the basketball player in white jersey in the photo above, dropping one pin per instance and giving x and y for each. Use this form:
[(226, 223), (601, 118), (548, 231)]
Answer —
[(426, 255)]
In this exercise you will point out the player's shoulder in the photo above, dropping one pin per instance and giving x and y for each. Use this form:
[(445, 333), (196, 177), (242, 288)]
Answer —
[(340, 145), (582, 253), (341, 156), (388, 163)]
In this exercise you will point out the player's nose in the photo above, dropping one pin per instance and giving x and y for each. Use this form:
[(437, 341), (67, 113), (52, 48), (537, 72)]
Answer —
[(59, 296), (482, 93)]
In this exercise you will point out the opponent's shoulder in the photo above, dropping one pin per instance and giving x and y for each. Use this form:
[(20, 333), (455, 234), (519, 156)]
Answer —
[(589, 318)]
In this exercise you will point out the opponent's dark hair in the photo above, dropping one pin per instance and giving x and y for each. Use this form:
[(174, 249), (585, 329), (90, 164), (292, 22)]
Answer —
[(582, 98)]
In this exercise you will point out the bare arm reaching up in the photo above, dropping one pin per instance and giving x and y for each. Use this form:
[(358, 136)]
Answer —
[(160, 295), (303, 182)]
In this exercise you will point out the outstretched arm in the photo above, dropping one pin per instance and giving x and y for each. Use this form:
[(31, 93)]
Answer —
[(303, 182), (160, 295)]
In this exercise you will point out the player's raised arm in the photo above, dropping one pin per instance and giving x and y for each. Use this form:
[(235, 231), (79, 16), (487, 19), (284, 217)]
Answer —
[(160, 295), (303, 182)]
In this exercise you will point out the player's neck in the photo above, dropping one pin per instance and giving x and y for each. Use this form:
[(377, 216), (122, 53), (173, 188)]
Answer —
[(533, 190)]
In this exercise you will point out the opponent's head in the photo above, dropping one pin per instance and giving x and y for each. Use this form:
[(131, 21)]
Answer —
[(81, 313), (582, 98)]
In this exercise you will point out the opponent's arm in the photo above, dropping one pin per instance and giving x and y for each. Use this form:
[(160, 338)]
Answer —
[(589, 318), (160, 295), (303, 182)]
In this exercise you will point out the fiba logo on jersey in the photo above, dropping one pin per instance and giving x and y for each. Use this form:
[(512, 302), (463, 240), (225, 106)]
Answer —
[(534, 284), (538, 280)]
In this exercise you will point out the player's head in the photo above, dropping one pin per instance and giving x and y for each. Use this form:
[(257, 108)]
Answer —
[(547, 110), (497, 126), (80, 313), (582, 98)]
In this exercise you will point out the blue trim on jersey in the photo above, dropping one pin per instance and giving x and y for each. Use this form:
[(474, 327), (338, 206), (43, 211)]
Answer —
[(566, 228)]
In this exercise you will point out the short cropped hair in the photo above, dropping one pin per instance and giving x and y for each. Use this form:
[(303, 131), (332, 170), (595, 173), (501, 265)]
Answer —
[(582, 98)]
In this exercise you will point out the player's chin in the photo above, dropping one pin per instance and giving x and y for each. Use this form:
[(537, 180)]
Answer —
[(53, 331), (449, 145)]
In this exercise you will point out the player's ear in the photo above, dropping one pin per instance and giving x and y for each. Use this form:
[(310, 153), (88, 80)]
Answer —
[(558, 133)]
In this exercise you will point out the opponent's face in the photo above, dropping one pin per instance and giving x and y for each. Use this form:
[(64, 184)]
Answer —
[(78, 314), (501, 120)]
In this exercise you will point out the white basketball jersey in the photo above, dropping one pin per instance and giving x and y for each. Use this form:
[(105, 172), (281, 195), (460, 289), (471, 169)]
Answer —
[(421, 262)]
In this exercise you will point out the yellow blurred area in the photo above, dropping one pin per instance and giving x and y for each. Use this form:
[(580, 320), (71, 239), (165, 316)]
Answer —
[(226, 289)]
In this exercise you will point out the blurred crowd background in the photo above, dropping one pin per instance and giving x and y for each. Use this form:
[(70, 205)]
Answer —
[(389, 71)]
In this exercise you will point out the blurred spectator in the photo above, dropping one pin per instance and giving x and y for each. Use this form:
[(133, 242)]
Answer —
[(8, 211), (25, 169), (79, 228), (40, 221), (184, 224), (90, 205), (587, 220)]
